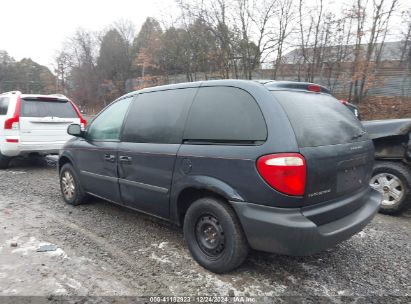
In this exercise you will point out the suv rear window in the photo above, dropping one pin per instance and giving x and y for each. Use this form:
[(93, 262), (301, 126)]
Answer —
[(320, 119), (4, 105), (46, 108)]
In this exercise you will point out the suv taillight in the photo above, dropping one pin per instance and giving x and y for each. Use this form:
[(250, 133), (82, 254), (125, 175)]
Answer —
[(285, 172), (13, 122), (83, 122)]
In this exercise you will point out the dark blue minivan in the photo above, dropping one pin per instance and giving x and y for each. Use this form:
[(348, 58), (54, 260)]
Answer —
[(281, 167)]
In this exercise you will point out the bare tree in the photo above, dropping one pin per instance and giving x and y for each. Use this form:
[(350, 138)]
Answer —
[(255, 19), (366, 59), (63, 64), (284, 20)]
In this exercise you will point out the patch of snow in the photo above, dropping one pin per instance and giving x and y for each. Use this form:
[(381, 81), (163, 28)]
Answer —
[(162, 245), (162, 259), (9, 291), (58, 252), (60, 289), (72, 283), (25, 248)]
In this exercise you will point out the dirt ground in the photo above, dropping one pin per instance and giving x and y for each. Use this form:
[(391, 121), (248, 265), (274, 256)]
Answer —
[(107, 250)]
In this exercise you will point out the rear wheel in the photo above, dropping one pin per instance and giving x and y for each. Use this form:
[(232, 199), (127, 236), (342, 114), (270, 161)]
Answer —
[(4, 161), (214, 235), (70, 186), (393, 181)]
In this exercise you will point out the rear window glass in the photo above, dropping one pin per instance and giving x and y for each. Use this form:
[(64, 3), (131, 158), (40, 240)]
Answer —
[(4, 105), (47, 108), (320, 119)]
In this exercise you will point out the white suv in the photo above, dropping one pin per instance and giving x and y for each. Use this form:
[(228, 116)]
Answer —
[(34, 124)]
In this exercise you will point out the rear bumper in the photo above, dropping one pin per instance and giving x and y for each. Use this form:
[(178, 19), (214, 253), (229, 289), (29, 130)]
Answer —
[(288, 231), (21, 148)]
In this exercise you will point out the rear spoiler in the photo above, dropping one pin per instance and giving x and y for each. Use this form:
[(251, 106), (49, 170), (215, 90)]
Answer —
[(300, 86), (46, 98)]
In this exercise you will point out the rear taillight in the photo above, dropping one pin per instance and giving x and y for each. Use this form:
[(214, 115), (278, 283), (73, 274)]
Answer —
[(285, 172), (13, 122), (83, 122)]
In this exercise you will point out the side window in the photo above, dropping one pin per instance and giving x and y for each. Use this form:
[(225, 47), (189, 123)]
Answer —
[(4, 105), (158, 117), (225, 114), (107, 126)]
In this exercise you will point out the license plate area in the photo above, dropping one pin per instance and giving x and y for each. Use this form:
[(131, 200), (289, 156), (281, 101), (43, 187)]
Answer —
[(350, 178), (351, 174)]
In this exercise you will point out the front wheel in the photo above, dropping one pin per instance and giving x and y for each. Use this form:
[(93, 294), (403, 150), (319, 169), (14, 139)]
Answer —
[(214, 235), (70, 186), (393, 181)]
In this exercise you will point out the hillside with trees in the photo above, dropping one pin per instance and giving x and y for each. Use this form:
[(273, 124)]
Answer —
[(25, 75)]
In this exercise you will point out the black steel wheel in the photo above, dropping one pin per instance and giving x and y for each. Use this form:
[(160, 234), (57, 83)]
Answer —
[(210, 236), (214, 235)]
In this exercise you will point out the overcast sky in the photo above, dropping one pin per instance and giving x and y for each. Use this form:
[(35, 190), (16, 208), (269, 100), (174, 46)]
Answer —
[(37, 28)]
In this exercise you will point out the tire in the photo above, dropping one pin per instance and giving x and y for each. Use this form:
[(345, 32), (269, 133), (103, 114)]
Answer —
[(393, 180), (212, 219), (69, 178), (4, 161)]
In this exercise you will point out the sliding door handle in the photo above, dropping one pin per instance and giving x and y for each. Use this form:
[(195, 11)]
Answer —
[(110, 158)]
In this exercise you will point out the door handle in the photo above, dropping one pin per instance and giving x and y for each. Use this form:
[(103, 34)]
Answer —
[(125, 159), (110, 158)]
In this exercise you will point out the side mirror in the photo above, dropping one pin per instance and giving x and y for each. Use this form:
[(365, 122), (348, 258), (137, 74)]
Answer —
[(75, 130)]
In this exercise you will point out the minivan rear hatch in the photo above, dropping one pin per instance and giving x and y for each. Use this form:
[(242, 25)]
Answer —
[(338, 151), (45, 119)]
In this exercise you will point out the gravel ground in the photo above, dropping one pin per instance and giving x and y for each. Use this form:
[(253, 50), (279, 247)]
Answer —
[(107, 250)]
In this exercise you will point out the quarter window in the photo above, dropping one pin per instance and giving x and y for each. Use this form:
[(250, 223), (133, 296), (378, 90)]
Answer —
[(158, 117), (225, 115), (107, 126)]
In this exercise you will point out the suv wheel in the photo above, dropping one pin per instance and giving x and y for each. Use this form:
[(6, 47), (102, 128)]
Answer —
[(71, 189), (4, 161), (214, 235), (393, 180)]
